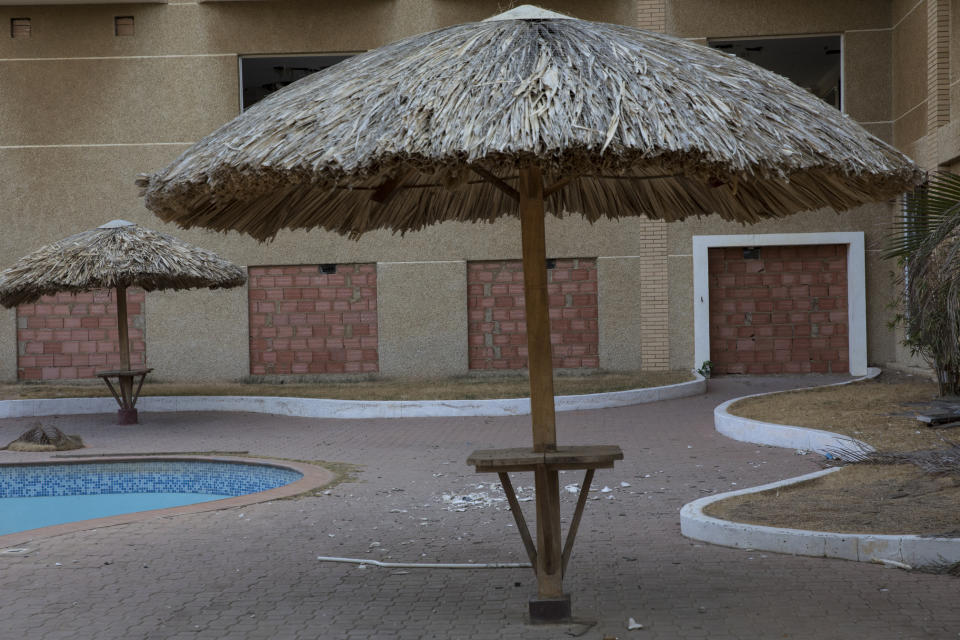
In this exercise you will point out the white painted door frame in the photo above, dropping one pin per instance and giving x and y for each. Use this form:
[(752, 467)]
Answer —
[(856, 285)]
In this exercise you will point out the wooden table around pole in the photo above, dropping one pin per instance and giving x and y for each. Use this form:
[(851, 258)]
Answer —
[(545, 459), (549, 561), (127, 396)]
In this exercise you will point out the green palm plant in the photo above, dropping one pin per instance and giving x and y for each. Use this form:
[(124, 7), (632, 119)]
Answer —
[(926, 244)]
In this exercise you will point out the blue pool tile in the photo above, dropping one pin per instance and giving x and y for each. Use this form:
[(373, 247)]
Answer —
[(220, 478)]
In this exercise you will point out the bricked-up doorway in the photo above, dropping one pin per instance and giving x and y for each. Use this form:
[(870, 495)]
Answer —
[(313, 319), (779, 309), (497, 331), (70, 336)]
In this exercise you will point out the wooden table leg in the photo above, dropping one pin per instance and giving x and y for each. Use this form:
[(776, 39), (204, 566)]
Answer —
[(126, 391), (549, 561), (519, 519), (577, 514), (113, 391), (139, 388)]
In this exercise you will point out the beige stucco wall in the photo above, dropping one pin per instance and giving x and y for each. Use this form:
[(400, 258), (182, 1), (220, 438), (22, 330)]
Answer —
[(909, 73), (115, 101), (8, 344), (876, 57), (955, 60), (82, 112), (291, 26), (198, 335), (620, 324), (866, 79), (681, 340), (748, 18), (422, 318)]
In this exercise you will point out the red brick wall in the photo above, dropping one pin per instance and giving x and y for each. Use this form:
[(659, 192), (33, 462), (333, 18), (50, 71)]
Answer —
[(65, 337), (497, 331), (304, 321), (785, 312)]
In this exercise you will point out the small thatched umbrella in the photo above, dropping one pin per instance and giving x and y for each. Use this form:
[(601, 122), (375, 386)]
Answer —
[(527, 112), (118, 255)]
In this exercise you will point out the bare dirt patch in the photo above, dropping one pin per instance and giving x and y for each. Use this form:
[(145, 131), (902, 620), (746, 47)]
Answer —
[(461, 387), (894, 499), (861, 498), (881, 412)]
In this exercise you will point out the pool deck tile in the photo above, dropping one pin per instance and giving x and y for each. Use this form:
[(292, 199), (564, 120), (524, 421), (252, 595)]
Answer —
[(250, 572)]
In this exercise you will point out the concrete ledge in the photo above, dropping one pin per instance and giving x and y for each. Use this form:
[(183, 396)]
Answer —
[(781, 435), (912, 550), (351, 409), (915, 551)]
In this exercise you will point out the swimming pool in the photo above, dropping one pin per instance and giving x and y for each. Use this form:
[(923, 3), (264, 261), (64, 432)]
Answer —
[(41, 495)]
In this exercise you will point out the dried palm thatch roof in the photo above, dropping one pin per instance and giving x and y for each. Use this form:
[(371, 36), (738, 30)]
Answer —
[(117, 254), (435, 127)]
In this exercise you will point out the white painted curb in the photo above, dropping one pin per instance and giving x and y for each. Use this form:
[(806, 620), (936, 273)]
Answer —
[(351, 409), (781, 435), (915, 551)]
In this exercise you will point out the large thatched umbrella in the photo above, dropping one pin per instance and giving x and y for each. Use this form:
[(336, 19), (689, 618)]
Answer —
[(118, 254), (528, 112)]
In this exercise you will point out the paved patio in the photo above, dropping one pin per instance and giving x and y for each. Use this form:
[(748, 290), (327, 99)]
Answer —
[(252, 573)]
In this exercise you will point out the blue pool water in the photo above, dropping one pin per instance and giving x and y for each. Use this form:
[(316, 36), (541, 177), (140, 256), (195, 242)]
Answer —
[(33, 496), (20, 514)]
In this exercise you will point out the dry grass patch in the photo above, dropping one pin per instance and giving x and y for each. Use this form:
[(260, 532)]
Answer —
[(892, 499), (861, 498), (453, 388), (876, 411)]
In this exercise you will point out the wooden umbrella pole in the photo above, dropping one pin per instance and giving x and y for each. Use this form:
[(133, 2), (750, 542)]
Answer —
[(549, 554), (538, 319), (126, 383)]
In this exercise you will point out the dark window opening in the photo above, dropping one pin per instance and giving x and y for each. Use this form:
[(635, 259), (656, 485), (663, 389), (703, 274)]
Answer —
[(20, 27), (123, 26), (812, 62), (551, 263), (261, 76), (328, 268), (751, 253)]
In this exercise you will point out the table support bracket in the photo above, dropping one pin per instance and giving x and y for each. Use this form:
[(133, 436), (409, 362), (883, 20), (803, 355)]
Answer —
[(577, 514), (524, 531), (518, 517)]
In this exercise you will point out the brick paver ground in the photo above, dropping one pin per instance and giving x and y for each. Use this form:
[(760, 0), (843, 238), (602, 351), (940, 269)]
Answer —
[(252, 573)]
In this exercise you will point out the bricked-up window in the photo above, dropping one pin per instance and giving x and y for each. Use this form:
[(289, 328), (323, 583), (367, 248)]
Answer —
[(308, 320), (67, 336), (262, 75), (20, 28), (123, 25), (497, 331), (784, 312), (813, 62)]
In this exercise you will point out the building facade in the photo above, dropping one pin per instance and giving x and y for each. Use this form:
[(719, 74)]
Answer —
[(93, 94)]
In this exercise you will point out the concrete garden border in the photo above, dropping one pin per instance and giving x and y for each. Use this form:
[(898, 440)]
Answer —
[(897, 550), (781, 435), (351, 409), (914, 551)]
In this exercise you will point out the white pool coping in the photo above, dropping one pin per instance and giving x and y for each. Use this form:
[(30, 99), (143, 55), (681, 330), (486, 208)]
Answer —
[(351, 409), (911, 550), (906, 550)]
